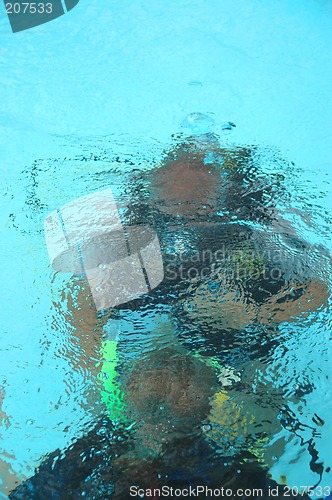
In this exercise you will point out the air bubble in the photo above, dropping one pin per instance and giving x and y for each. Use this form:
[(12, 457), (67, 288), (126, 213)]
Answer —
[(195, 83), (226, 128), (30, 421), (99, 289), (198, 124), (103, 266)]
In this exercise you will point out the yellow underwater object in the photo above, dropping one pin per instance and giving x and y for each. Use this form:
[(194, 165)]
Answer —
[(235, 427)]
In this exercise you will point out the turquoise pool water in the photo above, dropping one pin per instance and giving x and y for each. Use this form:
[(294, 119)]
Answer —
[(112, 81)]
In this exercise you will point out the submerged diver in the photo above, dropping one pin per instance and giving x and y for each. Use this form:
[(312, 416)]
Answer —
[(234, 270)]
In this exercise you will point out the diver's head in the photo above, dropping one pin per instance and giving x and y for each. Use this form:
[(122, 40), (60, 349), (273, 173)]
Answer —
[(185, 186), (187, 183), (170, 386)]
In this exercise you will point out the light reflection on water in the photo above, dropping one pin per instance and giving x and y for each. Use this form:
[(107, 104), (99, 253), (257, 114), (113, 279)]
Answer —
[(270, 376)]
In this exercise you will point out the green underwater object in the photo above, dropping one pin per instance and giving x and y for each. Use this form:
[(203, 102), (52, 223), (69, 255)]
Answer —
[(111, 394)]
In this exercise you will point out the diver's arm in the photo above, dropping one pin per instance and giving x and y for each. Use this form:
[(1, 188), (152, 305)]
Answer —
[(86, 325), (283, 308), (315, 290)]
